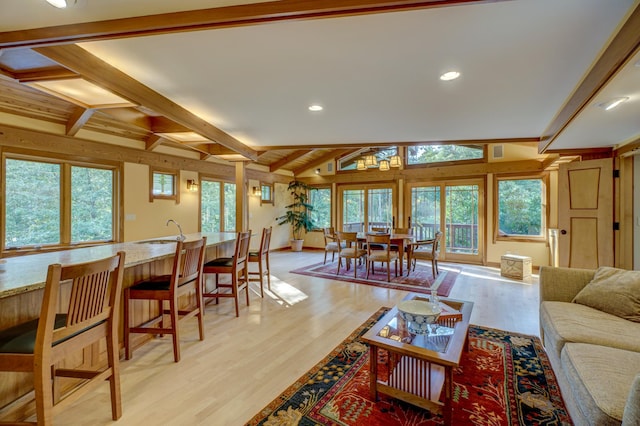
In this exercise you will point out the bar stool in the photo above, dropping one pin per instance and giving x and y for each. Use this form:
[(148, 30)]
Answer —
[(236, 266), (261, 257), (185, 278), (92, 313)]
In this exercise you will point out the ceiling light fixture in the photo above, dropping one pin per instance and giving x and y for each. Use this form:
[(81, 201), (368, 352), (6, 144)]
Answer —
[(315, 108), (611, 104), (371, 161), (395, 161), (384, 165), (449, 75), (60, 4), (360, 165)]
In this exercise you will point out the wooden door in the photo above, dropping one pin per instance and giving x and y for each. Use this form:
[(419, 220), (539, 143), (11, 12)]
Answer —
[(585, 214)]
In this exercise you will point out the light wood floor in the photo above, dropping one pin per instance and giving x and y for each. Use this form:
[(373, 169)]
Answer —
[(245, 362)]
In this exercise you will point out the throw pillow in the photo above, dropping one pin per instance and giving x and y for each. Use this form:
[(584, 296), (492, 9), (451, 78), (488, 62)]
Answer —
[(615, 291)]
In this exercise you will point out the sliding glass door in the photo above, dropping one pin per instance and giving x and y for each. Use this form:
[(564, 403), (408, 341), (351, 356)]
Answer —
[(366, 207), (453, 208)]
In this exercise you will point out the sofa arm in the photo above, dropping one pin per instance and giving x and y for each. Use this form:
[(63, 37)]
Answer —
[(631, 415), (563, 284)]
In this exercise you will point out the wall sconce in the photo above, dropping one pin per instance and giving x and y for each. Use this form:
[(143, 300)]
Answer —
[(192, 185), (256, 191), (317, 171)]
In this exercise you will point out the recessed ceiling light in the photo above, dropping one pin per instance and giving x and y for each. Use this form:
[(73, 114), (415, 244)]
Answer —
[(60, 4), (449, 75), (315, 108), (611, 104)]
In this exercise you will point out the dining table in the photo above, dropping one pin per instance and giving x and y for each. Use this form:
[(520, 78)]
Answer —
[(403, 241)]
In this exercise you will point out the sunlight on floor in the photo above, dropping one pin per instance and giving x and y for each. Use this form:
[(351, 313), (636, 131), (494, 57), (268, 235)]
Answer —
[(284, 293)]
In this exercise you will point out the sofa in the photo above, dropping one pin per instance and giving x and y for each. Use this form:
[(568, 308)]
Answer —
[(590, 328)]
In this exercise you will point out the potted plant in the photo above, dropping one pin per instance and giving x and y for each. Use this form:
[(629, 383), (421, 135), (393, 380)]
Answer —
[(298, 213)]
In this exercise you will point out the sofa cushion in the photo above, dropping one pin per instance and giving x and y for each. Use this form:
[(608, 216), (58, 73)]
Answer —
[(563, 322), (600, 378), (615, 291)]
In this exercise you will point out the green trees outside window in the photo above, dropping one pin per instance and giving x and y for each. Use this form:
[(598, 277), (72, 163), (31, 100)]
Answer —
[(320, 199), (217, 206), (35, 209), (424, 154), (520, 207)]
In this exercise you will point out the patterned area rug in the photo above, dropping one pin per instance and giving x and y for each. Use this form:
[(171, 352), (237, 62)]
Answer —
[(419, 281), (504, 379)]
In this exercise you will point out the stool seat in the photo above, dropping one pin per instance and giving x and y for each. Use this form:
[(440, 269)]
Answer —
[(21, 338), (221, 261), (162, 282)]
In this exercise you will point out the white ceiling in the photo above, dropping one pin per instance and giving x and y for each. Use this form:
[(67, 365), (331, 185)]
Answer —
[(376, 75)]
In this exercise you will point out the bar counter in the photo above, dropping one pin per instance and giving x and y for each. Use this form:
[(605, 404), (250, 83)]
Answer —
[(22, 281)]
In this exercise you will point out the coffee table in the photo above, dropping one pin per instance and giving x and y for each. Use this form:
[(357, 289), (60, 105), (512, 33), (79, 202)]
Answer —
[(419, 368)]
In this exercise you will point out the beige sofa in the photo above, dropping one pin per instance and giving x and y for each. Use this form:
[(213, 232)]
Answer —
[(594, 354)]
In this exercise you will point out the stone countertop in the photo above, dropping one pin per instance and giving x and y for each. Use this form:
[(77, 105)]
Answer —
[(22, 274)]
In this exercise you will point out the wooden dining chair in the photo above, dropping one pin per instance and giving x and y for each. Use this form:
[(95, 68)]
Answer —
[(90, 316), (383, 255), (330, 244), (349, 250), (261, 257), (236, 267), (185, 280), (427, 250)]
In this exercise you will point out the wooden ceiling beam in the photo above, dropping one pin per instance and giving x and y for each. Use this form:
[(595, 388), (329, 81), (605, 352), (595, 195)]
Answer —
[(152, 142), (333, 154), (288, 159), (220, 17), (108, 77), (78, 118), (130, 116), (165, 125), (619, 51)]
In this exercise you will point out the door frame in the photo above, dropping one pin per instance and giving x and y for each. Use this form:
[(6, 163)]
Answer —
[(340, 199)]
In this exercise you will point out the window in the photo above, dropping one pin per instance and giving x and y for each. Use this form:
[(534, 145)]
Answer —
[(426, 154), (217, 206), (266, 193), (37, 214), (320, 199), (521, 207), (164, 185)]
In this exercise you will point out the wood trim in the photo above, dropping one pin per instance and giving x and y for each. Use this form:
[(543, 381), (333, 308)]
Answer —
[(359, 145), (78, 118), (80, 149), (333, 154), (288, 159), (220, 17), (108, 77), (615, 56)]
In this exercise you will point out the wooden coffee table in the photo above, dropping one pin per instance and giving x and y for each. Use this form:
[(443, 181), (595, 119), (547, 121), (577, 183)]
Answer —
[(419, 368)]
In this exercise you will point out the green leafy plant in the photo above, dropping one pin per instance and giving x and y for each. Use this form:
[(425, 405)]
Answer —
[(298, 212)]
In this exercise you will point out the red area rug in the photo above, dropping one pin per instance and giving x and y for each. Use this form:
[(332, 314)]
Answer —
[(419, 281), (504, 379)]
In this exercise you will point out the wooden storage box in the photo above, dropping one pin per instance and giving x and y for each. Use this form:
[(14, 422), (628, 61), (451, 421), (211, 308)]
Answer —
[(515, 266)]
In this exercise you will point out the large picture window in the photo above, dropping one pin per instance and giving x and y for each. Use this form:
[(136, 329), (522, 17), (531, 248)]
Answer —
[(320, 199), (217, 206), (521, 207), (427, 154), (36, 213)]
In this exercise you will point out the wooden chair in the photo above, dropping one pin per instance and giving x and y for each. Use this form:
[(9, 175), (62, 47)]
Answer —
[(236, 266), (330, 244), (349, 250), (427, 250), (384, 255), (377, 229), (185, 279), (91, 314), (261, 257)]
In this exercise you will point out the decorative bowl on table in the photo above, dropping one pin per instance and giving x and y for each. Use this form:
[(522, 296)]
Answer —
[(419, 315)]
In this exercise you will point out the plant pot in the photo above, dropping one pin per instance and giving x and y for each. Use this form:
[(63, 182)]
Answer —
[(296, 245)]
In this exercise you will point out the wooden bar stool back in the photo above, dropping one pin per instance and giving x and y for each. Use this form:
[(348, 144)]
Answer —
[(89, 315), (185, 282), (261, 257), (236, 266)]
